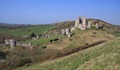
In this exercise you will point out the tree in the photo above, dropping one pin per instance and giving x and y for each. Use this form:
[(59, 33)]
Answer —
[(32, 35)]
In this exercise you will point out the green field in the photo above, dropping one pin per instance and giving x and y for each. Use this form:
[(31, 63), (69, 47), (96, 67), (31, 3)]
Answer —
[(105, 56), (42, 40), (27, 31)]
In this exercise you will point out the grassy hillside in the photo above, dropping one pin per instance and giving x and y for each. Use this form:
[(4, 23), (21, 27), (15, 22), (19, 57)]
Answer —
[(27, 31), (101, 57), (80, 38), (109, 28)]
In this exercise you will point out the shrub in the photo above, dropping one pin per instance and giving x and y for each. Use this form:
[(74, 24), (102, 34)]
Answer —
[(32, 35), (44, 47), (70, 39), (94, 32), (86, 44), (18, 56), (2, 55)]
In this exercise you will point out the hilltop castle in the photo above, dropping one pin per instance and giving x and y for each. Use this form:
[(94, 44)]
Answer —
[(82, 23)]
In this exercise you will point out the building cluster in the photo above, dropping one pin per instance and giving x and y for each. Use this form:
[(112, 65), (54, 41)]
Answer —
[(66, 32), (12, 43)]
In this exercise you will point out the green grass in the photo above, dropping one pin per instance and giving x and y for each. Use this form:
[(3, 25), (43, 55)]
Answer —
[(105, 56), (6, 47), (18, 32), (42, 40), (40, 29), (116, 33), (24, 31)]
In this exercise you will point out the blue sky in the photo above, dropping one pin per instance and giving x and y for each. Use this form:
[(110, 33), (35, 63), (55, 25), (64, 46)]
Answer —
[(50, 11)]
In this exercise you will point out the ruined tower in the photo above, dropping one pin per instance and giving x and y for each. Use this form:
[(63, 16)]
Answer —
[(12, 42), (81, 23)]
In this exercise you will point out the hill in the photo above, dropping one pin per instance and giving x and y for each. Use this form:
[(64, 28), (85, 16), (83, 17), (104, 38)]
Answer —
[(70, 24), (12, 26), (117, 26), (107, 27), (101, 57)]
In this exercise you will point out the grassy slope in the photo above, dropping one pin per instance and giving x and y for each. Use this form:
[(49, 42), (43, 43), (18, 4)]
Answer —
[(103, 56), (24, 31), (80, 38)]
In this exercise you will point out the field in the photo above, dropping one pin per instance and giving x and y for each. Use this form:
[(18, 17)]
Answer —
[(27, 31), (101, 57), (42, 40)]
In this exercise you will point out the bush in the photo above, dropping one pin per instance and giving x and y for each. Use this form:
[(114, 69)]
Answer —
[(32, 35), (94, 33), (2, 55), (44, 47), (18, 56), (16, 61), (70, 39)]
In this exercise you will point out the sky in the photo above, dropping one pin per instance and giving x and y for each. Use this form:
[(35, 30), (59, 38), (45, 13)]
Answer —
[(51, 11)]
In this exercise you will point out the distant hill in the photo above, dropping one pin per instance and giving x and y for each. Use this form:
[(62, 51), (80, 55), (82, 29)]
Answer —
[(23, 30), (12, 26), (117, 26)]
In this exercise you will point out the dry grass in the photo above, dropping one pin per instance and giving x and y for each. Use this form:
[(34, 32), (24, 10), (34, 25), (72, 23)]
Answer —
[(102, 57), (80, 38)]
